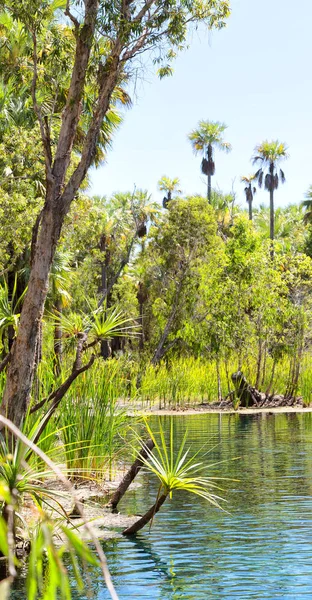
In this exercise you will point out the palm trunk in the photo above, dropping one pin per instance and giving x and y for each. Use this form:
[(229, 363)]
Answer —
[(147, 517), (250, 209), (209, 174), (272, 210)]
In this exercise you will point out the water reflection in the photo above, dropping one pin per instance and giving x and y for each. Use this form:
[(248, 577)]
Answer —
[(262, 549)]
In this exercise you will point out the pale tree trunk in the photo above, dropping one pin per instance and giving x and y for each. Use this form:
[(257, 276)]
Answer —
[(161, 348)]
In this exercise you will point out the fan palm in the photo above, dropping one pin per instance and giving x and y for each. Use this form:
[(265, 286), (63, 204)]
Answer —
[(307, 205), (269, 155), (204, 139), (250, 191), (169, 186)]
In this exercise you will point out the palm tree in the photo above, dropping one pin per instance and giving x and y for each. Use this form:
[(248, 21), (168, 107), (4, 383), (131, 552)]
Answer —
[(250, 191), (269, 155), (207, 137), (165, 184), (307, 205)]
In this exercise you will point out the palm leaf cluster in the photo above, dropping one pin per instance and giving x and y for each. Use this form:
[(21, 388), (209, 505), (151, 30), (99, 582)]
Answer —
[(268, 155)]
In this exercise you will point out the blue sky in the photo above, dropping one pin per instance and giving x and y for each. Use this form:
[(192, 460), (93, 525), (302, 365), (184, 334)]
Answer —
[(255, 76)]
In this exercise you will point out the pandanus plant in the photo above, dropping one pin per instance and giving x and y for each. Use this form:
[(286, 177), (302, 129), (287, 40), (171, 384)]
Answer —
[(175, 472), (204, 139), (250, 191), (269, 155)]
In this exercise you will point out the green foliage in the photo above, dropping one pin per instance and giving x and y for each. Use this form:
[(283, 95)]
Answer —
[(176, 470)]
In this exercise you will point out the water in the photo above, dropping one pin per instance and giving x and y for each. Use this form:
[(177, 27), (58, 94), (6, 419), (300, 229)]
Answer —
[(261, 550)]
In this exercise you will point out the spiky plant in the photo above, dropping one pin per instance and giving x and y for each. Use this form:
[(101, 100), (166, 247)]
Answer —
[(175, 472), (204, 139), (269, 155), (250, 191)]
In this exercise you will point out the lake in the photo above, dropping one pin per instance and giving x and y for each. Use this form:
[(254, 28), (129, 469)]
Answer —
[(261, 549)]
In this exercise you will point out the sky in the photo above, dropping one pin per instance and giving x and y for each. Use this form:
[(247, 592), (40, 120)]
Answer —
[(255, 75)]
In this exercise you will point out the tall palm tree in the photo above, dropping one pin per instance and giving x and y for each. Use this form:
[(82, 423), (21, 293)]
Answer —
[(307, 205), (250, 191), (204, 139), (269, 155), (169, 186)]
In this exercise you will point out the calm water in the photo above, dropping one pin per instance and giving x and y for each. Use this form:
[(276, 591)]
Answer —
[(262, 550)]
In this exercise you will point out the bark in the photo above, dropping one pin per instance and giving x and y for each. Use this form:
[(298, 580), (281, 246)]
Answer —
[(57, 203), (131, 473), (272, 210), (209, 174), (58, 339), (268, 390), (219, 380), (5, 362), (146, 518), (250, 208), (259, 363)]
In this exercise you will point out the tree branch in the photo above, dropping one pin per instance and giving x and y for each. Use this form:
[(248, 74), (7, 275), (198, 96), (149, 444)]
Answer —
[(44, 128), (59, 394), (71, 16), (5, 362)]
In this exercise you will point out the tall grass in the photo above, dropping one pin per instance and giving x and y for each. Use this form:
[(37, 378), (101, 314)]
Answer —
[(92, 429), (305, 381)]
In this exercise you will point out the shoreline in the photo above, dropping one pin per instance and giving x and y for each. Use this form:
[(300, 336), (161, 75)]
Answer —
[(217, 411)]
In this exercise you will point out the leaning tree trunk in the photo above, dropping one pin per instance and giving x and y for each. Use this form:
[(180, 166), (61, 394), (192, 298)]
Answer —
[(147, 517), (131, 473)]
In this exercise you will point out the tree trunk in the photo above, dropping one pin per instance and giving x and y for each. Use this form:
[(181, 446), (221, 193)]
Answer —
[(250, 209), (131, 473), (147, 517), (219, 380), (58, 339), (259, 363), (57, 203), (209, 174), (272, 209), (160, 351), (22, 364)]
